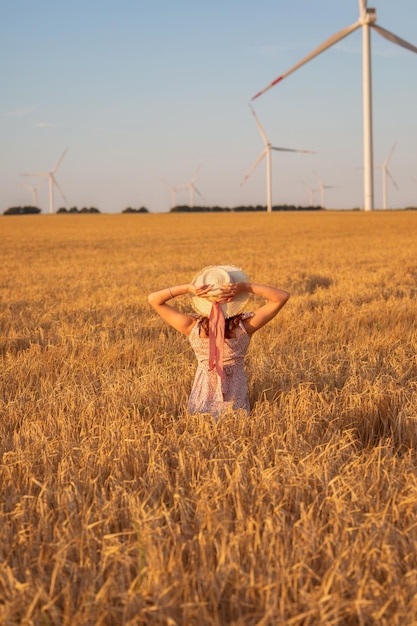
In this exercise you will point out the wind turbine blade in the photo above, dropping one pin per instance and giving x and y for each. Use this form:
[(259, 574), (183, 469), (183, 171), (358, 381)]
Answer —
[(259, 125), (59, 161), (35, 174), (293, 150), (327, 44), (362, 7), (198, 192), (254, 166), (392, 179), (390, 153), (59, 189), (394, 38), (172, 187)]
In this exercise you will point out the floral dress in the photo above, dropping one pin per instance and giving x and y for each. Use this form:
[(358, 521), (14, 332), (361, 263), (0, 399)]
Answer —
[(211, 394)]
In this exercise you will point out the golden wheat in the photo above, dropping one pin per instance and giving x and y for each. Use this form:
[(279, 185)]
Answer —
[(119, 508)]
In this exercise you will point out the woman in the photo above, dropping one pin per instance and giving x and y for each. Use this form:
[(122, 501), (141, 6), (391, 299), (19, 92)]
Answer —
[(220, 334)]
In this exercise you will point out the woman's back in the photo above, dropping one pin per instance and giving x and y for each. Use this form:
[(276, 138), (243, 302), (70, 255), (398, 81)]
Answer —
[(210, 393)]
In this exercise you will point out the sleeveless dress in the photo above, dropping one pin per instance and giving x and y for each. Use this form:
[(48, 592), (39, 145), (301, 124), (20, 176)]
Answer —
[(211, 394)]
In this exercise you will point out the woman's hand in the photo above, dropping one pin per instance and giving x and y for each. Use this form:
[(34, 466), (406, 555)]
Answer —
[(201, 292)]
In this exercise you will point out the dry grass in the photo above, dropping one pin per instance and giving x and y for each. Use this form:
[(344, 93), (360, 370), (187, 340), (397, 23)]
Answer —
[(119, 508)]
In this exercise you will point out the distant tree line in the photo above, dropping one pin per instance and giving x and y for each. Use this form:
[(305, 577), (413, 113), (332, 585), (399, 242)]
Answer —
[(237, 209), (74, 209), (130, 210), (33, 210), (22, 210)]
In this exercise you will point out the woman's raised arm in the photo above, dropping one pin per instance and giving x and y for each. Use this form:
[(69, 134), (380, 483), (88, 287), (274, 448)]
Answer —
[(276, 299), (180, 321)]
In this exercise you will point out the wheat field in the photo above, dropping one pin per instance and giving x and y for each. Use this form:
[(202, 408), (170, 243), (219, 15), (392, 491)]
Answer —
[(119, 508)]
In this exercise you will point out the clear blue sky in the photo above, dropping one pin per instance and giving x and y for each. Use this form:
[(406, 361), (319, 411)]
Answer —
[(142, 91)]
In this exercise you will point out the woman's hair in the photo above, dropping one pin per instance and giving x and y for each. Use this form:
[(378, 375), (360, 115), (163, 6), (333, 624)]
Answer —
[(230, 324)]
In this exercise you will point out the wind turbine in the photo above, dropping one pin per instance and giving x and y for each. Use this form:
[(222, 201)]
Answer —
[(367, 20), (192, 187), (52, 181), (385, 174), (34, 191), (173, 193), (322, 187), (310, 193), (267, 152)]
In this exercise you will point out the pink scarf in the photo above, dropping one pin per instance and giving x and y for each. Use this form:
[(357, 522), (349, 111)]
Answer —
[(216, 339)]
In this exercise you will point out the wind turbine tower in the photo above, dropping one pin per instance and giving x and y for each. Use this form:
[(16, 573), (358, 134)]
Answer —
[(367, 20), (173, 194), (385, 175), (321, 189), (310, 193)]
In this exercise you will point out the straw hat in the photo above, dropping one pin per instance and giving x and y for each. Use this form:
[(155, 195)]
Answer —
[(216, 276)]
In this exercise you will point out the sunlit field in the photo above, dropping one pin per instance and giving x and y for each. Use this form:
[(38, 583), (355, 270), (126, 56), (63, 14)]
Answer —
[(119, 508)]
